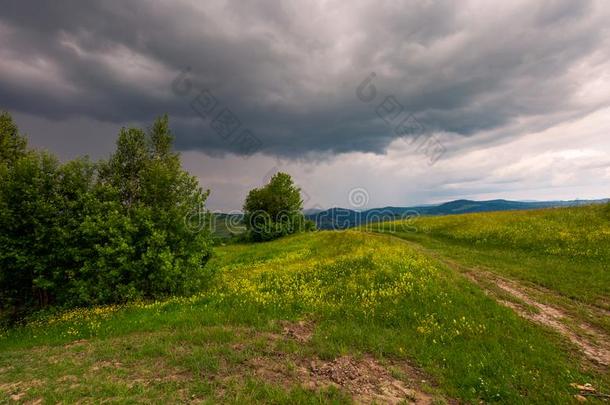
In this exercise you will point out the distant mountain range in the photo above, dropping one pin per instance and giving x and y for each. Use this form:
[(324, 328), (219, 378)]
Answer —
[(343, 218)]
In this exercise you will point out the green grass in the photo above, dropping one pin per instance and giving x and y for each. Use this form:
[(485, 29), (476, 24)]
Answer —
[(365, 294), (566, 250)]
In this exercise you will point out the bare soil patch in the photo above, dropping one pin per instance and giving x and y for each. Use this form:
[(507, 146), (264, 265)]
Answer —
[(301, 331), (365, 379)]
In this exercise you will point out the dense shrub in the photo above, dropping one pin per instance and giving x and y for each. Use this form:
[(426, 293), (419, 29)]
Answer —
[(275, 210), (81, 233)]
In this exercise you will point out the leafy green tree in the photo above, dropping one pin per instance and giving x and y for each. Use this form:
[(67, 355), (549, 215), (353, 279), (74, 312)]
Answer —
[(42, 207), (29, 206), (156, 252), (12, 145), (81, 233), (275, 210)]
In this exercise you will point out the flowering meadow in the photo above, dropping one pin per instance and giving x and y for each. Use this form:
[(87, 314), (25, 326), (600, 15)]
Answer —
[(565, 250), (364, 294)]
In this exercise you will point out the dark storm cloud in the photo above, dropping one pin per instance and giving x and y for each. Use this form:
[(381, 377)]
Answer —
[(289, 70)]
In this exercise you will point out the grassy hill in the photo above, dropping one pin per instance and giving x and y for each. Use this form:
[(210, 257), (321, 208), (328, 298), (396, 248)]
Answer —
[(342, 218), (332, 317), (564, 249)]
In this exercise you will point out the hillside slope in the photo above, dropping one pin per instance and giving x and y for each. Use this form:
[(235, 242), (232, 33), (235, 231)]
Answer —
[(327, 317), (550, 266), (563, 249), (343, 218)]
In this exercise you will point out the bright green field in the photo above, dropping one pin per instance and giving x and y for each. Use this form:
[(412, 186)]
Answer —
[(363, 294), (566, 250)]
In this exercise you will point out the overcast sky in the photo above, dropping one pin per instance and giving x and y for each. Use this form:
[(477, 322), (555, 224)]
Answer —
[(405, 102)]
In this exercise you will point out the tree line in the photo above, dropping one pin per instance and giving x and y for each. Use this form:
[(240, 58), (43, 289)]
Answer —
[(85, 233)]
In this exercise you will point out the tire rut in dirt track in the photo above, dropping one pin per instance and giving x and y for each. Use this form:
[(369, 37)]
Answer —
[(594, 344)]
